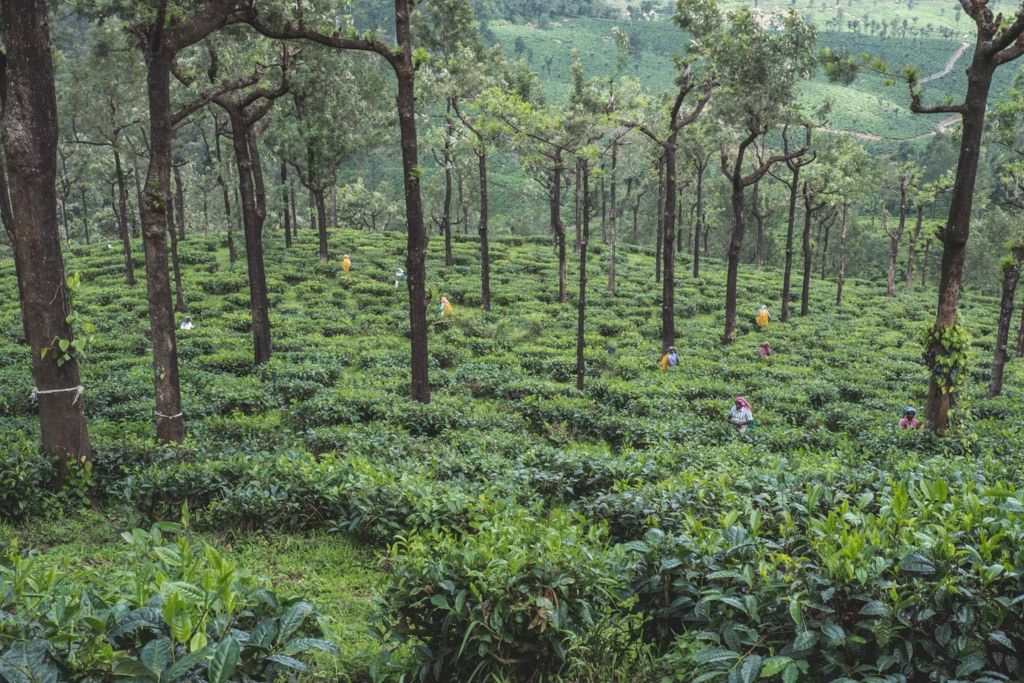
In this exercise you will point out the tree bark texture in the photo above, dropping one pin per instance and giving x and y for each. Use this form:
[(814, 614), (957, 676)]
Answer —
[(1011, 274), (122, 218), (954, 238), (581, 308), (30, 152)]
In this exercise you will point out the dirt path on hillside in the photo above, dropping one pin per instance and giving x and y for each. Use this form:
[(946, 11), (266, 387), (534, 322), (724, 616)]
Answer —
[(943, 126)]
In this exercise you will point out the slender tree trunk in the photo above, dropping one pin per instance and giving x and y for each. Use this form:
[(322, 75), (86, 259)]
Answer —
[(85, 215), (805, 289), (446, 216), (179, 203), (1020, 337), (463, 204), (825, 242), (485, 251), (668, 282), (1011, 274), (579, 205), (613, 222), (122, 219), (604, 213), (842, 255), (787, 274), (170, 423), (699, 227), (659, 240), (321, 221), (416, 272), (582, 302), (284, 203), (30, 145), (253, 209), (295, 213), (556, 223), (334, 208), (755, 208), (136, 174), (912, 247), (179, 297)]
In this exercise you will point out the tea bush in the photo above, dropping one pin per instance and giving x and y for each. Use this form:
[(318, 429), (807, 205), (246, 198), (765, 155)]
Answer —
[(517, 593), (171, 612)]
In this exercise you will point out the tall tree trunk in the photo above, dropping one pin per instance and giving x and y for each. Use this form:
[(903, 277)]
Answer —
[(659, 239), (912, 247), (842, 255), (170, 422), (253, 208), (555, 208), (122, 219), (284, 201), (579, 205), (668, 268), (85, 215), (604, 213), (805, 289), (334, 208), (699, 227), (954, 242), (787, 274), (613, 221), (179, 203), (1020, 337), (1011, 274), (30, 145), (824, 245), (416, 272), (295, 213), (136, 174), (485, 251), (581, 308), (179, 297), (759, 216), (446, 216), (321, 221)]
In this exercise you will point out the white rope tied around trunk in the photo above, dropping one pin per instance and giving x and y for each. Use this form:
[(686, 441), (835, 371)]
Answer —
[(37, 392), (167, 417)]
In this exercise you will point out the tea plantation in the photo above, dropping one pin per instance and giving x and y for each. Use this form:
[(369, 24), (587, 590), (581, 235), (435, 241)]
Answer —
[(319, 523)]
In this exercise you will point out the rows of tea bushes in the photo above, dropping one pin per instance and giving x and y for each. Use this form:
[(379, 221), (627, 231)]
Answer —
[(533, 530)]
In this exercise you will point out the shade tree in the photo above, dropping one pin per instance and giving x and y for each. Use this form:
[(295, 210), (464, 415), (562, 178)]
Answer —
[(29, 214), (759, 71)]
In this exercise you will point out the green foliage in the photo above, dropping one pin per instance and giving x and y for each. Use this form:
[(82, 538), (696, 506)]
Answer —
[(947, 353), (515, 594), (170, 612)]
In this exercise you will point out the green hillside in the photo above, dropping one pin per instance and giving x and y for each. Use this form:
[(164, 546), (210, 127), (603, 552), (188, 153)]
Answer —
[(578, 530), (867, 107)]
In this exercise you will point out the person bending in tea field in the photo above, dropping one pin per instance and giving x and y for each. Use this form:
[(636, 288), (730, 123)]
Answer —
[(446, 307), (765, 350), (186, 324), (346, 264), (670, 359), (399, 277), (740, 415), (909, 421)]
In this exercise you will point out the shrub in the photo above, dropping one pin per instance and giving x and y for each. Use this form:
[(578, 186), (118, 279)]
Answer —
[(512, 595), (172, 613)]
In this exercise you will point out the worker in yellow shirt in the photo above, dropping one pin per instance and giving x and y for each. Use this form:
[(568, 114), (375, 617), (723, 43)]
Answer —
[(346, 264)]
